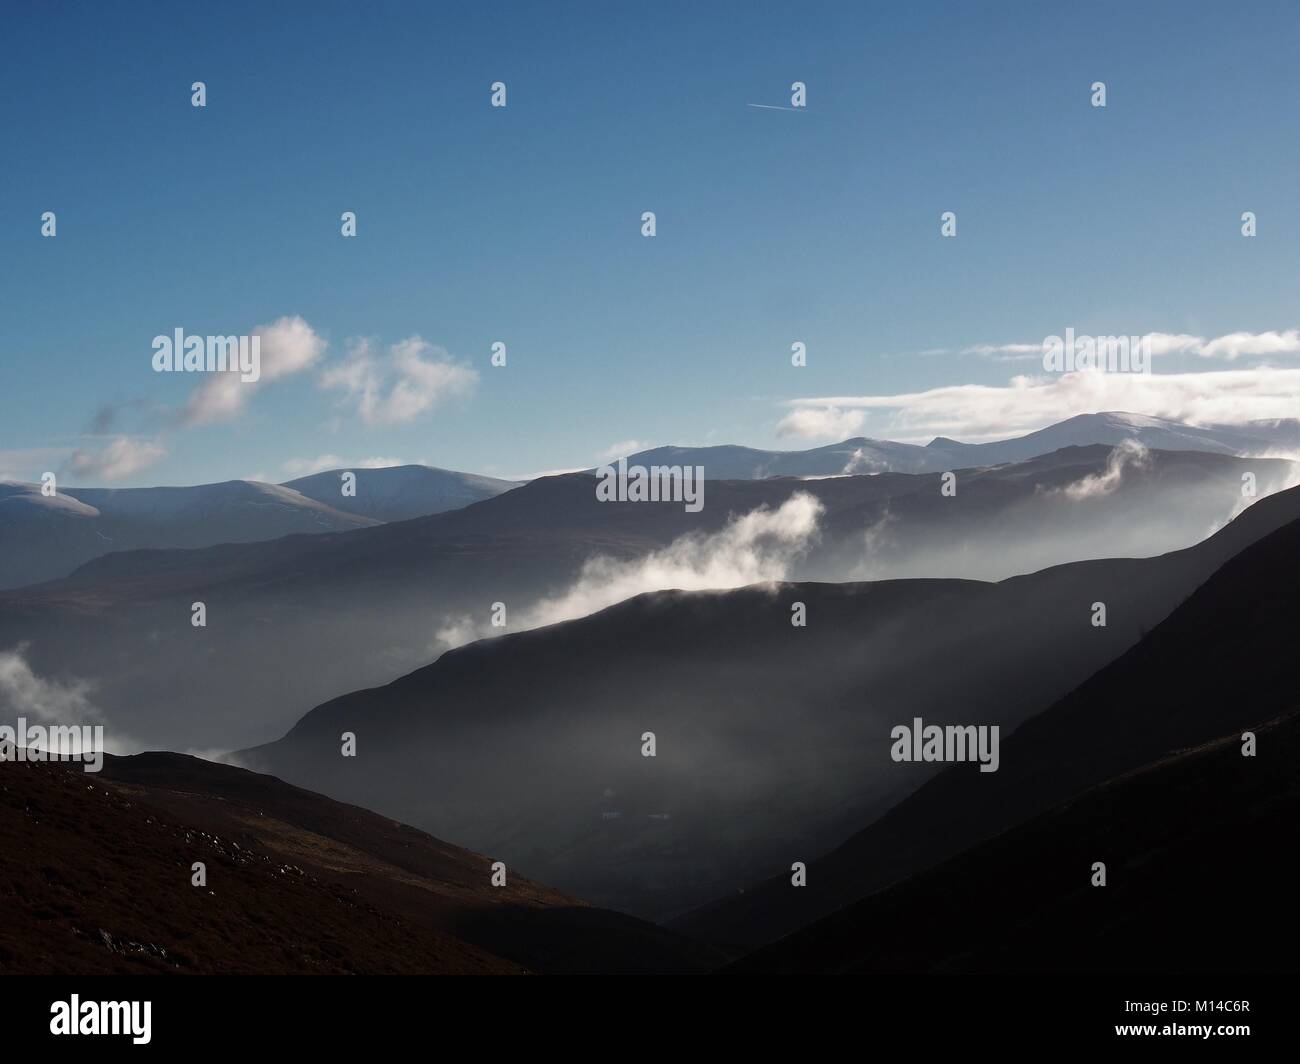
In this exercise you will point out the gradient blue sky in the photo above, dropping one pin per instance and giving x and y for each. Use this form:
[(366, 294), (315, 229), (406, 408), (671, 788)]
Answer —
[(523, 224)]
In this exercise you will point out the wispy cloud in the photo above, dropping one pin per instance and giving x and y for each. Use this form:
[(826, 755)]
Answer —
[(410, 380), (1230, 347), (757, 547), (302, 467), (24, 693), (1244, 344), (288, 345), (1025, 403), (1130, 454), (26, 464), (121, 457), (1005, 352), (622, 449), (821, 422), (539, 473)]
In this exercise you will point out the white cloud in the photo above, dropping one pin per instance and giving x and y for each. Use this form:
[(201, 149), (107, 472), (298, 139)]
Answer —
[(1244, 344), (622, 449), (50, 702), (861, 462), (875, 539), (120, 457), (1005, 352), (303, 467), (538, 474), (978, 411), (1129, 454), (821, 422), (23, 693), (1232, 346), (757, 547), (412, 379), (1158, 343), (1289, 479), (288, 346)]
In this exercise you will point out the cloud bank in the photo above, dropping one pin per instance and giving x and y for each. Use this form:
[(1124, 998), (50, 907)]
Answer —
[(1229, 347), (975, 412)]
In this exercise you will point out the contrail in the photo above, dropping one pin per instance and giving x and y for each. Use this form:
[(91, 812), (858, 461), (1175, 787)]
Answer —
[(772, 107)]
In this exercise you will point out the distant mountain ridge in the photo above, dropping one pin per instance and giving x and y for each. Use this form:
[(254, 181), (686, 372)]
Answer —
[(47, 537), (310, 616), (399, 493), (865, 455), (1250, 439)]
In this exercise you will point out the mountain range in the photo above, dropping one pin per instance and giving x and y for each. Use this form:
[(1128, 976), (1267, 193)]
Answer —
[(44, 537), (772, 739), (47, 537), (1279, 438), (292, 622), (661, 737)]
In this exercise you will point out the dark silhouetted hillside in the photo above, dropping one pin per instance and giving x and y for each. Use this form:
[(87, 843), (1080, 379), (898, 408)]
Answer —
[(1219, 664), (1199, 879)]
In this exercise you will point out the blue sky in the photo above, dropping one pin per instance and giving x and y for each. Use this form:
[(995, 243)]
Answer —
[(522, 224)]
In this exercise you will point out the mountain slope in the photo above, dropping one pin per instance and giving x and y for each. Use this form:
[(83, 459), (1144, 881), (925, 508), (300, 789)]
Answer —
[(1217, 665), (45, 538), (95, 876), (1187, 841), (399, 493), (773, 740)]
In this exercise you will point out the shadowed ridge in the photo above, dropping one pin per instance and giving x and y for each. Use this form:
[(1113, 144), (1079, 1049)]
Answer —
[(1219, 664)]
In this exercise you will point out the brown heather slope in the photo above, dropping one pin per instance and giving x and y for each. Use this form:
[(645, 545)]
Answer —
[(95, 877)]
